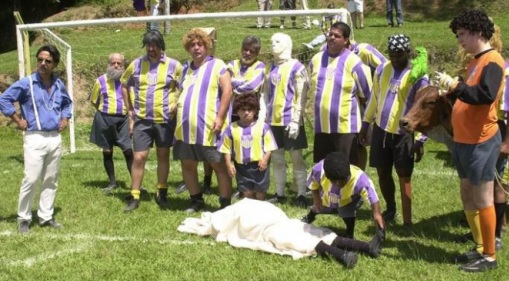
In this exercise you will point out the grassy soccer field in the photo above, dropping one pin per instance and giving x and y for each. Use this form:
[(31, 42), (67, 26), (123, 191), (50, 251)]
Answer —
[(101, 242)]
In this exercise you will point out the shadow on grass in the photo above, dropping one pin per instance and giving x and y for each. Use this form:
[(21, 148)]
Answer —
[(35, 218), (18, 158), (444, 156)]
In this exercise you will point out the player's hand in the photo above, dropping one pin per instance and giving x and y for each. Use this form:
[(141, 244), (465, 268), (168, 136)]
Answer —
[(262, 164), (63, 124), (218, 124), (292, 130), (363, 136), (418, 150), (504, 150), (379, 221), (22, 125), (445, 81), (231, 170)]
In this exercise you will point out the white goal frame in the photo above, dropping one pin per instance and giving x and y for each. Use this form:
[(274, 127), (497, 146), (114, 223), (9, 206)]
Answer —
[(44, 27)]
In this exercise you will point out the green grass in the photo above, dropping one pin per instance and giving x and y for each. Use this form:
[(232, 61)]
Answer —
[(100, 242)]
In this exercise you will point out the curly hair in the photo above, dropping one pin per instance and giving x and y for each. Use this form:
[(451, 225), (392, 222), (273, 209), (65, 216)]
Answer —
[(336, 166), (196, 34), (464, 58), (473, 20), (249, 100)]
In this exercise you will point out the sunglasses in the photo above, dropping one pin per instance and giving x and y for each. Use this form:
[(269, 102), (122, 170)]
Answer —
[(46, 61)]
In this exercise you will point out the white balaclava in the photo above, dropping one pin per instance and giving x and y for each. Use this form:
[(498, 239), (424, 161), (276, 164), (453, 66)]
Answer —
[(281, 47)]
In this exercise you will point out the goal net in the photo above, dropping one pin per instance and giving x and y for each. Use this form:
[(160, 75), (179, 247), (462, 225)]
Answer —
[(86, 44)]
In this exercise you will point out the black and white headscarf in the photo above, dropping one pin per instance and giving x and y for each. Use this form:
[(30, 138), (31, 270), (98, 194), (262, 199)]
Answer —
[(399, 43)]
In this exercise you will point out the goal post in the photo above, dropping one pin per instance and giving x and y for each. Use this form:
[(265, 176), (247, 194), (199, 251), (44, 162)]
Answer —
[(87, 44)]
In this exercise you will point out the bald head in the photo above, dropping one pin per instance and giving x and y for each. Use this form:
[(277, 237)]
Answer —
[(115, 66)]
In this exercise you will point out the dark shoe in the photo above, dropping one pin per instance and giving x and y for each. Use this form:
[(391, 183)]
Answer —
[(309, 218), (479, 265), (195, 206), (181, 188), (389, 216), (301, 201), (349, 259), (24, 227), (277, 199), (52, 223), (498, 243), (375, 246), (161, 199), (109, 189), (380, 232), (469, 256), (390, 25), (132, 204)]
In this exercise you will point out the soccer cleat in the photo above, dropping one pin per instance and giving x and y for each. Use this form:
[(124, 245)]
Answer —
[(161, 199), (479, 265), (109, 189), (52, 223), (24, 227), (469, 256), (301, 201), (259, 26), (375, 246), (181, 188), (388, 215), (277, 199), (132, 204), (309, 218), (498, 243), (195, 206), (282, 26), (267, 26), (349, 259)]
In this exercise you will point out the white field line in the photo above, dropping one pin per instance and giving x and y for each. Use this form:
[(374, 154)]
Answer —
[(28, 262), (85, 243), (107, 238)]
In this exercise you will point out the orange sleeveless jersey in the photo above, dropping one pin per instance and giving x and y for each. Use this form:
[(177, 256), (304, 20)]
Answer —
[(475, 124)]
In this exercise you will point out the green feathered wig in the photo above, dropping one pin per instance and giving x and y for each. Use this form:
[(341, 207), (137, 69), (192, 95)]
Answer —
[(419, 64)]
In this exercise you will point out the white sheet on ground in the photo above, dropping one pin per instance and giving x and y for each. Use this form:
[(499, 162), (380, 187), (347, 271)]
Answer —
[(259, 226)]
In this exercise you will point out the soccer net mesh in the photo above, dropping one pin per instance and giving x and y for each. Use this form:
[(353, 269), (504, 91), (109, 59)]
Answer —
[(86, 45)]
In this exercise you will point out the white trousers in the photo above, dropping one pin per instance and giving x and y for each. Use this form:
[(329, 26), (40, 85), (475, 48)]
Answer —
[(299, 171), (42, 153), (264, 5)]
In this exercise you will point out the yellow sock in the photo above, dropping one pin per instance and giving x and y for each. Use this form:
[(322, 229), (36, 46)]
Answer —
[(135, 194), (161, 186), (475, 228)]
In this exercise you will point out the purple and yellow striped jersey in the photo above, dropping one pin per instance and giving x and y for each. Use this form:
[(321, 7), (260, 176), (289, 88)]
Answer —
[(199, 103), (282, 95), (247, 144), (154, 87), (504, 99), (246, 79), (338, 83), (392, 97), (333, 196), (106, 96), (369, 55)]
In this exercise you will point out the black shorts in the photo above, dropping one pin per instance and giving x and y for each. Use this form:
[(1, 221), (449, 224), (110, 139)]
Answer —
[(110, 130), (477, 162), (326, 143), (283, 141), (196, 152), (146, 132), (250, 178), (391, 149)]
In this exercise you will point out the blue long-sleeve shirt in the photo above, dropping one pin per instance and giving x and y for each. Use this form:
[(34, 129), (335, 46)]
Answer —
[(51, 107)]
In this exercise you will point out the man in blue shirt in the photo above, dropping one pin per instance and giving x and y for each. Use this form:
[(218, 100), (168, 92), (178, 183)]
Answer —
[(45, 110)]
